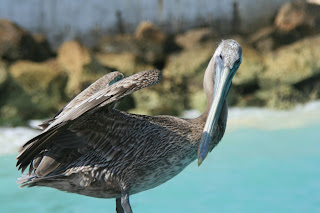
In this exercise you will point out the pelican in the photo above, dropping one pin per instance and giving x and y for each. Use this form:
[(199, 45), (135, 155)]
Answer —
[(90, 148)]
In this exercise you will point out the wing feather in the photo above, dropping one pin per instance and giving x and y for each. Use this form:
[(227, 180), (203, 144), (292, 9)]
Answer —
[(109, 95), (95, 87)]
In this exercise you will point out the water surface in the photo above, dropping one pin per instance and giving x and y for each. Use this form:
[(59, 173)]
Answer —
[(253, 169)]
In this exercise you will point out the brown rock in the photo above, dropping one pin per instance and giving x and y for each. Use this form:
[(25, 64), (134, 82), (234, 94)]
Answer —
[(292, 74), (263, 39), (146, 50), (80, 65), (34, 76), (195, 36), (3, 74), (281, 97), (292, 64), (149, 44), (127, 63), (298, 14), (73, 56), (44, 46), (296, 20), (16, 43), (146, 30), (156, 44), (36, 89)]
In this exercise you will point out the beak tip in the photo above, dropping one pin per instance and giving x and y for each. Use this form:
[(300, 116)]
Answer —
[(200, 160)]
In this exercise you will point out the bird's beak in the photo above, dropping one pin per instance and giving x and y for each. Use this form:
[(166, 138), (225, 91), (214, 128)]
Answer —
[(222, 85)]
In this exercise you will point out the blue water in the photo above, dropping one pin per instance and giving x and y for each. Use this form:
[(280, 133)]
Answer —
[(250, 171)]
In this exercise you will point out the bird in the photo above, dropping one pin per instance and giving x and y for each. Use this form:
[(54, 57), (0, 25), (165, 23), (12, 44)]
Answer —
[(93, 149)]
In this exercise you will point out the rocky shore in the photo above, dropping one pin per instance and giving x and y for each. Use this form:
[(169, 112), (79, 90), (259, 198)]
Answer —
[(280, 68)]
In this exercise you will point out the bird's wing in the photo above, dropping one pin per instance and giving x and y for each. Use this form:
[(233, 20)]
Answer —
[(111, 140), (102, 83), (106, 96), (59, 130)]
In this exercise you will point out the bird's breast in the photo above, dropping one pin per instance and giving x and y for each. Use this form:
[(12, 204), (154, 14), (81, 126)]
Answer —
[(161, 170)]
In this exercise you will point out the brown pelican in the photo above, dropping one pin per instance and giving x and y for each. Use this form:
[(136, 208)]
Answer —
[(92, 149)]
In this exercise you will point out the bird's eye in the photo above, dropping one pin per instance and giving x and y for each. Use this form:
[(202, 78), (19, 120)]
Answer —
[(238, 61), (220, 56)]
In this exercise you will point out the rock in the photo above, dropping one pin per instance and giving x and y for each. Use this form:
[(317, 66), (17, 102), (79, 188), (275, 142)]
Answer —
[(9, 116), (127, 63), (292, 64), (292, 70), (73, 56), (195, 36), (35, 90), (159, 101), (44, 46), (310, 87), (296, 20), (263, 39), (4, 111), (149, 45), (153, 37), (16, 43), (149, 101), (35, 76), (281, 97), (80, 65), (147, 31), (118, 44), (189, 62), (147, 51), (3, 74), (298, 14)]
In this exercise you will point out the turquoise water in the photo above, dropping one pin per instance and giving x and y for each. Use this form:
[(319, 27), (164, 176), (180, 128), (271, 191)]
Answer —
[(251, 170)]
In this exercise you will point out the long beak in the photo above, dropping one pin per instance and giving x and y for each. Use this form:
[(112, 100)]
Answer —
[(221, 88)]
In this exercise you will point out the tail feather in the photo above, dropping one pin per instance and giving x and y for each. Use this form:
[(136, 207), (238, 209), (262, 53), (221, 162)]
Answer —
[(34, 179), (26, 180)]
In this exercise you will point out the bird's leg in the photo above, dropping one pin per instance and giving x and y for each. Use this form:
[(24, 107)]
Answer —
[(118, 206), (125, 202)]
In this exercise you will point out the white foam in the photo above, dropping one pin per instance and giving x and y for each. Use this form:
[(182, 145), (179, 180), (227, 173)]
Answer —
[(262, 118), (35, 123), (11, 139)]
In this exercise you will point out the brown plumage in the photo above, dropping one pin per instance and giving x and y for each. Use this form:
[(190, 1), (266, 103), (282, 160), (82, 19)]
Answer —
[(90, 148)]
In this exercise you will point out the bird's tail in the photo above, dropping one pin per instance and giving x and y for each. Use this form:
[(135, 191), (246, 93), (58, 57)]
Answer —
[(25, 180), (34, 180)]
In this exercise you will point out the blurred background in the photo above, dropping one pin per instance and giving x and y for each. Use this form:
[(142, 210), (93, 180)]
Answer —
[(52, 50)]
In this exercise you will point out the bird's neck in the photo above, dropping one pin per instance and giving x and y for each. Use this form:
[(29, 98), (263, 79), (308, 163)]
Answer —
[(208, 86)]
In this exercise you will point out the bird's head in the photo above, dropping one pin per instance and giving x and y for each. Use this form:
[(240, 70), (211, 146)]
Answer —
[(221, 69)]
